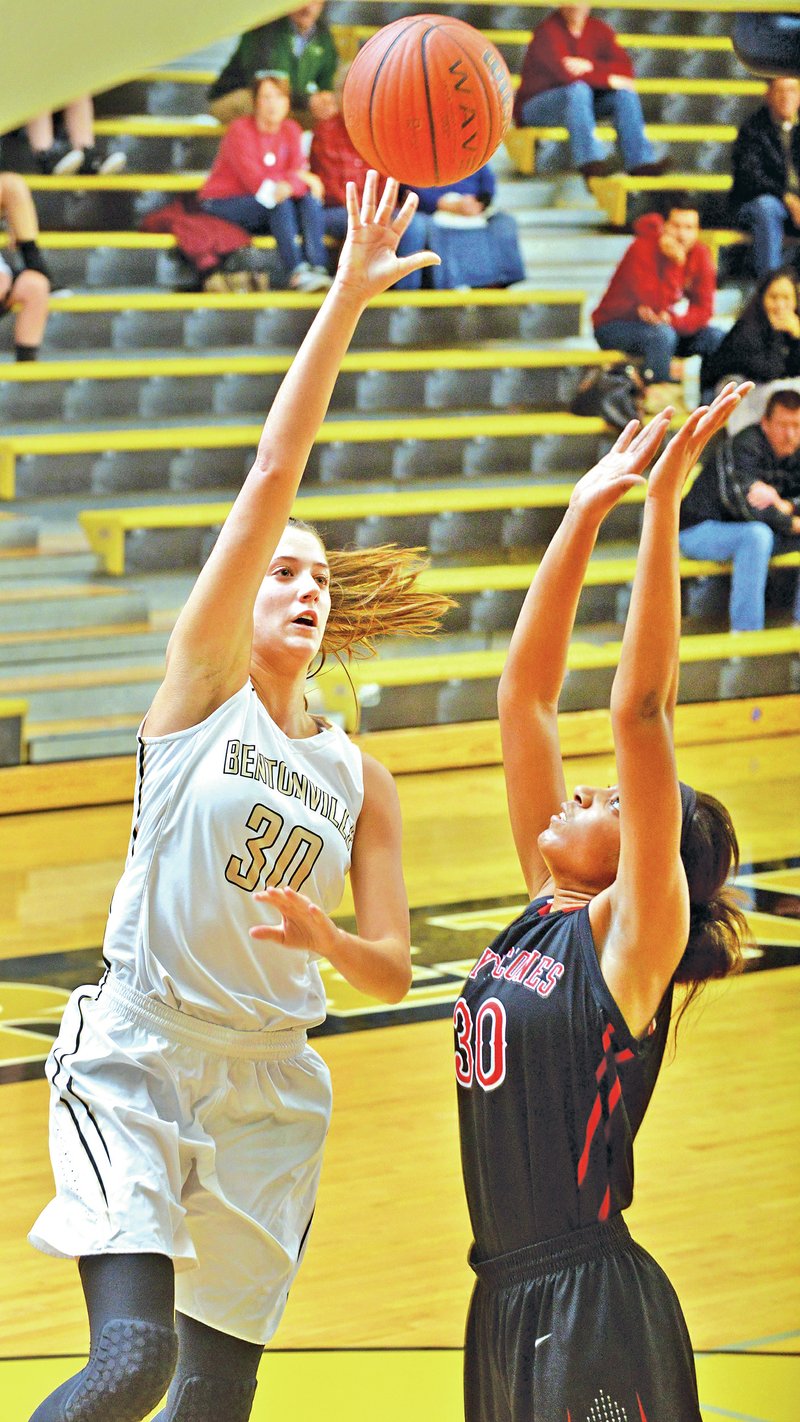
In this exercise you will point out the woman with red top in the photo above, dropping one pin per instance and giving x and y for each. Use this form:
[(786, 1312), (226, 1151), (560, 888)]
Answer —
[(336, 162), (660, 299), (575, 72), (261, 181)]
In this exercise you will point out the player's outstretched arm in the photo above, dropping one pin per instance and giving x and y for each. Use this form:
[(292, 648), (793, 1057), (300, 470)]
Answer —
[(209, 653), (537, 658), (377, 959), (641, 923)]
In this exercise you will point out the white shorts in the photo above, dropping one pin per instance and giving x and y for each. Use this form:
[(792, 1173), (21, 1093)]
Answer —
[(171, 1135)]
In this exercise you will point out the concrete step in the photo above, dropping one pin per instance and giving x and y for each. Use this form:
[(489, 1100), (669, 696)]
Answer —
[(30, 650), (71, 605), (81, 739), (45, 566)]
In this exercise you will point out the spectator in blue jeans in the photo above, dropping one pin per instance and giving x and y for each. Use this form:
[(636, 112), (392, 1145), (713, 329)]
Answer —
[(765, 198), (261, 180), (574, 72), (660, 299), (744, 506)]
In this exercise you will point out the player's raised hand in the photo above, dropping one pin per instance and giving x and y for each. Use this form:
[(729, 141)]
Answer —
[(304, 925), (621, 469), (684, 449), (369, 263)]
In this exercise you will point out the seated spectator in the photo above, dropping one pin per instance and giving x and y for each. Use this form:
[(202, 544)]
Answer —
[(336, 163), (764, 344), (300, 45), (745, 506), (660, 300), (260, 180), (765, 197), (477, 248), (24, 280), (78, 152), (574, 72)]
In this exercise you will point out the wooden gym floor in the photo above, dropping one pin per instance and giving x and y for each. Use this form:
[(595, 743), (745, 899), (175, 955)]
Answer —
[(374, 1324)]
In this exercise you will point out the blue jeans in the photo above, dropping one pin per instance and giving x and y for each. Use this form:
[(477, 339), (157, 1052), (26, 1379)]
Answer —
[(414, 239), (286, 221), (655, 344), (749, 547), (766, 217), (577, 107)]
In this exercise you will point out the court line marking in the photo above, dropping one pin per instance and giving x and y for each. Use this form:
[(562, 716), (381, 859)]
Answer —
[(755, 1342), (737, 1416)]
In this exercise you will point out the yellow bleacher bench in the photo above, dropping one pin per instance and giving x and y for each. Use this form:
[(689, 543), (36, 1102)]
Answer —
[(521, 142), (612, 192), (356, 362), (435, 427), (106, 528)]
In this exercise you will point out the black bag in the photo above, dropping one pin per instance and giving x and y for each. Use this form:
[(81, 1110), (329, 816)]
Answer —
[(609, 393)]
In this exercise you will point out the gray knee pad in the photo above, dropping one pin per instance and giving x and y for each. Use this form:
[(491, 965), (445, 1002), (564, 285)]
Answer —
[(199, 1399), (130, 1366)]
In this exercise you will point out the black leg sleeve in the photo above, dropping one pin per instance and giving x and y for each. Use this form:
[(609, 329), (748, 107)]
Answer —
[(130, 1301)]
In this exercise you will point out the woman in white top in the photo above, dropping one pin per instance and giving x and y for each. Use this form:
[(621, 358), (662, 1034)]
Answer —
[(188, 1111)]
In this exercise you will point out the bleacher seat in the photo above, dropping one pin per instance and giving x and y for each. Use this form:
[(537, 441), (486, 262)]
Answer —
[(196, 470), (162, 396), (68, 332), (118, 471), (88, 400), (453, 533), (466, 701), (339, 462), (378, 390), (529, 528), (446, 389), (397, 706), (38, 474), (148, 330), (113, 266), (164, 549), (234, 394), (753, 676), (204, 329), (555, 452), (40, 400), (408, 531)]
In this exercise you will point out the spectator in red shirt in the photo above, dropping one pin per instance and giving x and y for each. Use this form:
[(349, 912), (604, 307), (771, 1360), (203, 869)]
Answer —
[(660, 299), (261, 181), (336, 163), (575, 72)]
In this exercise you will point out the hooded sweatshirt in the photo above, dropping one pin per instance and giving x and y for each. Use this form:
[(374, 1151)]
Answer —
[(646, 277)]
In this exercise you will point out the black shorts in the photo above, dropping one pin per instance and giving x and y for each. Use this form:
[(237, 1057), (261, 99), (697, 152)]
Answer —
[(582, 1328)]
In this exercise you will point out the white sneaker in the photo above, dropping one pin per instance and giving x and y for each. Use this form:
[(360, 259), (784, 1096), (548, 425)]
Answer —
[(116, 162)]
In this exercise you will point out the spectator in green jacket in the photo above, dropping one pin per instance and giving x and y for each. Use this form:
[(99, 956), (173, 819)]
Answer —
[(299, 45)]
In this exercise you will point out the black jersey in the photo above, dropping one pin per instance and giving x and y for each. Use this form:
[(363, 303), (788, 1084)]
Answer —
[(552, 1086)]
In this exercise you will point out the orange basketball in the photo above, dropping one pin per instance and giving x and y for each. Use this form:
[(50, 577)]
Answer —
[(427, 100)]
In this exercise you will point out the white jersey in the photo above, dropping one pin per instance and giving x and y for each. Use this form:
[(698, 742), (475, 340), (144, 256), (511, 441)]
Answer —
[(221, 810)]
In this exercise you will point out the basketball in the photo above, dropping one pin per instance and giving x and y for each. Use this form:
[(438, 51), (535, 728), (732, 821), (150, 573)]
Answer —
[(427, 100)]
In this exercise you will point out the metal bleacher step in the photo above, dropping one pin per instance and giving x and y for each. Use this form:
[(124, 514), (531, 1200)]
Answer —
[(56, 606), (80, 645)]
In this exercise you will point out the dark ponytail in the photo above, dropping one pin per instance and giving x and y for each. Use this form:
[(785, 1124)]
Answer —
[(717, 925)]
